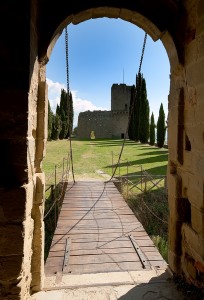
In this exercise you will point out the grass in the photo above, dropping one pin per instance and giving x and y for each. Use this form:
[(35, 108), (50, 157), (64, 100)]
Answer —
[(89, 156), (151, 209), (92, 155)]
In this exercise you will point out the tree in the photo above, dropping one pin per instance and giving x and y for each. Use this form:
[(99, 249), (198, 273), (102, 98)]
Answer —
[(50, 120), (70, 115), (139, 78), (131, 114), (144, 114), (152, 130), (56, 127), (161, 128), (63, 112)]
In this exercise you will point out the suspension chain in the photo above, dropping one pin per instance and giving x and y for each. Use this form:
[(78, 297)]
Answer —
[(67, 62), (68, 97), (143, 49)]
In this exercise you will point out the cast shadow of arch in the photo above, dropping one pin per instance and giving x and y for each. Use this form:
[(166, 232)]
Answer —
[(160, 287)]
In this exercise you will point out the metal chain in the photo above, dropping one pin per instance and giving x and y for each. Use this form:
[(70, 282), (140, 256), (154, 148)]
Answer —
[(67, 63), (143, 49), (68, 97)]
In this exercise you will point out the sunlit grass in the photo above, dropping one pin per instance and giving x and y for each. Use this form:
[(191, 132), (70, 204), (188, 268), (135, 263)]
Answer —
[(91, 155)]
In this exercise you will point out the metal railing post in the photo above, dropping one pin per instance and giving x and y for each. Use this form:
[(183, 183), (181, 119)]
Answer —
[(112, 162), (55, 195), (127, 189), (141, 177)]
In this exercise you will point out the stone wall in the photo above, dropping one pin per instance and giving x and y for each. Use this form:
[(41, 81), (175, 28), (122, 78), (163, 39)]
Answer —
[(120, 97), (29, 31), (186, 165), (119, 124), (98, 121)]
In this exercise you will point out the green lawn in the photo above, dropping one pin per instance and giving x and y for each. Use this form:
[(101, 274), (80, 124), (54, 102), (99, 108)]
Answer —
[(89, 156)]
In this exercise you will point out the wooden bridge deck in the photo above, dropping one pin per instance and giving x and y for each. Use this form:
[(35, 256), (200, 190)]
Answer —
[(97, 232)]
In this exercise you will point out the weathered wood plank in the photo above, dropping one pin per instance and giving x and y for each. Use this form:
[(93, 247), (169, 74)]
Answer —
[(98, 221)]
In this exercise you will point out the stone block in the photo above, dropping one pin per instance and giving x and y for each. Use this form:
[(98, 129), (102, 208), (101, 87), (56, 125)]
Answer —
[(197, 221), (190, 118), (173, 189), (187, 161), (29, 188), (174, 235), (40, 188), (196, 191), (192, 242), (194, 74), (82, 16), (196, 137), (188, 267), (174, 261), (169, 45), (198, 163), (191, 52)]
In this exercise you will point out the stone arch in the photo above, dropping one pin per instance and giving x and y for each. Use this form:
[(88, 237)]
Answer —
[(179, 25)]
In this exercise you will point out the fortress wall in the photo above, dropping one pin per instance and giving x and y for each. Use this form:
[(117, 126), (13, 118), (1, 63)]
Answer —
[(97, 121), (119, 124)]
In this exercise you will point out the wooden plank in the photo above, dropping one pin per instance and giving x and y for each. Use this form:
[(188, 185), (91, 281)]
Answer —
[(102, 257), (105, 267), (98, 220)]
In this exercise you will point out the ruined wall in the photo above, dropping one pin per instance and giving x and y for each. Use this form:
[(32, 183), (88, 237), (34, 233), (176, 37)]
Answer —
[(186, 154), (120, 97), (97, 121)]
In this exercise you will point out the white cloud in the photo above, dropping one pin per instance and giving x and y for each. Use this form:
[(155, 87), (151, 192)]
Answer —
[(80, 105)]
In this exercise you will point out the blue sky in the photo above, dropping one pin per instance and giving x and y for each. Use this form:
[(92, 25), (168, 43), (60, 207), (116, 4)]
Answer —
[(103, 52)]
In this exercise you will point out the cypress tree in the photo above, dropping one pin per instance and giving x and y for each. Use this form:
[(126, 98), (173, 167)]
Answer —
[(56, 127), (50, 120), (144, 114), (161, 128), (63, 112), (63, 131), (70, 115), (58, 110), (152, 130), (137, 107), (131, 114)]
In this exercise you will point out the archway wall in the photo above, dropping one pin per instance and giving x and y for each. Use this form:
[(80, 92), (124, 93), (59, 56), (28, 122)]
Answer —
[(180, 27), (24, 117), (186, 148)]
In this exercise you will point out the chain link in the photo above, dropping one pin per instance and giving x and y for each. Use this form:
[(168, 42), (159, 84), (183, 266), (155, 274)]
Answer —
[(68, 97), (67, 62), (143, 49)]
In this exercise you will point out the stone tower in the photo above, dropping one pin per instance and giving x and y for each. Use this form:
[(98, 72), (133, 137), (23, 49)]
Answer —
[(108, 124)]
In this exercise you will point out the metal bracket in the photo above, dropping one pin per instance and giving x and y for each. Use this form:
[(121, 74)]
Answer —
[(144, 261), (65, 267)]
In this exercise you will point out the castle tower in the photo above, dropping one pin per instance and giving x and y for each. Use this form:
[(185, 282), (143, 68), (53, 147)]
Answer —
[(120, 97)]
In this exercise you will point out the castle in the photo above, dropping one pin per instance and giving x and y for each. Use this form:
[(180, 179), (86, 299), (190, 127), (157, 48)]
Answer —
[(108, 124)]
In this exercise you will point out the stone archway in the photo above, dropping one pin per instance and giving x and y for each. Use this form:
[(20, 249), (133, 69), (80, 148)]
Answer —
[(23, 139)]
